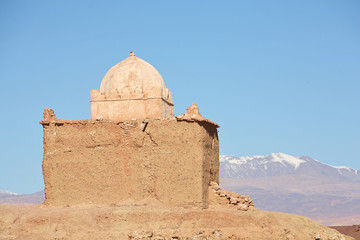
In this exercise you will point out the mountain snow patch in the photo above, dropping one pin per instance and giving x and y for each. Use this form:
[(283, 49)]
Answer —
[(343, 167), (284, 158), (8, 193), (279, 164)]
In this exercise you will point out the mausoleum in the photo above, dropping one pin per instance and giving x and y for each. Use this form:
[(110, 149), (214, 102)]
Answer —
[(132, 148)]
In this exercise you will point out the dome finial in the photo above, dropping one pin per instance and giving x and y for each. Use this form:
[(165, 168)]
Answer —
[(132, 54)]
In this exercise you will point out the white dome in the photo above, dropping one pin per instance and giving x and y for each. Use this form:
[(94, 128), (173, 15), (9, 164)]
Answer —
[(133, 77)]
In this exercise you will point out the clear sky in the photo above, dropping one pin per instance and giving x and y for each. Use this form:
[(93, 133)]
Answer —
[(277, 76)]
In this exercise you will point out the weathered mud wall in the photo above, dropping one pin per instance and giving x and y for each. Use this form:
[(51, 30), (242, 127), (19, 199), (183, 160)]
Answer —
[(98, 162)]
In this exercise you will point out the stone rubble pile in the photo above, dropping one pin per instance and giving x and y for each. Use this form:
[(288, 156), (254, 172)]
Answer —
[(240, 202)]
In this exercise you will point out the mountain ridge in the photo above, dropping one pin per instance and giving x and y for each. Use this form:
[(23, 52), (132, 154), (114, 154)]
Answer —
[(22, 199), (276, 164), (298, 185)]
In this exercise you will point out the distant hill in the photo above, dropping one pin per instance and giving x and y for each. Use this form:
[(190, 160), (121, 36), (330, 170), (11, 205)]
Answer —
[(299, 185), (21, 199), (4, 193)]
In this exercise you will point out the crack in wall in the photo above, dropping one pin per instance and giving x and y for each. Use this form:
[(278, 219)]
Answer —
[(151, 138)]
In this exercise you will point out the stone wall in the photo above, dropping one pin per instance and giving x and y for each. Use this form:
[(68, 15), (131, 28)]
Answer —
[(103, 162)]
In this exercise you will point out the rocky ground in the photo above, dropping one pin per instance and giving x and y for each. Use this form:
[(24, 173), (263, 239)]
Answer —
[(150, 220)]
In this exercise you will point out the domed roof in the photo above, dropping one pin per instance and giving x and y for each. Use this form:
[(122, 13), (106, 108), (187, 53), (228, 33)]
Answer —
[(133, 77)]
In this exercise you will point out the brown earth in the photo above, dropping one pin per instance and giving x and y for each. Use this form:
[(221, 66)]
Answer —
[(353, 231), (148, 219)]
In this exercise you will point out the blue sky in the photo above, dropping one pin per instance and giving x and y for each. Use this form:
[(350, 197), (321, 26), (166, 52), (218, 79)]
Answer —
[(277, 76)]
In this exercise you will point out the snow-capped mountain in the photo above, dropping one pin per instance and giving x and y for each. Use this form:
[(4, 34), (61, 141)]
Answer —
[(6, 193), (276, 164), (299, 185), (21, 199)]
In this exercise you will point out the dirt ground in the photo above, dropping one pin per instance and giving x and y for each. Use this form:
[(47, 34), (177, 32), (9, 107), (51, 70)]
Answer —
[(353, 231), (150, 220)]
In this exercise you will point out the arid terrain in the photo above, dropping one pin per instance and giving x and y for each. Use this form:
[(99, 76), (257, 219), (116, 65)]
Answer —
[(353, 231), (148, 219)]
